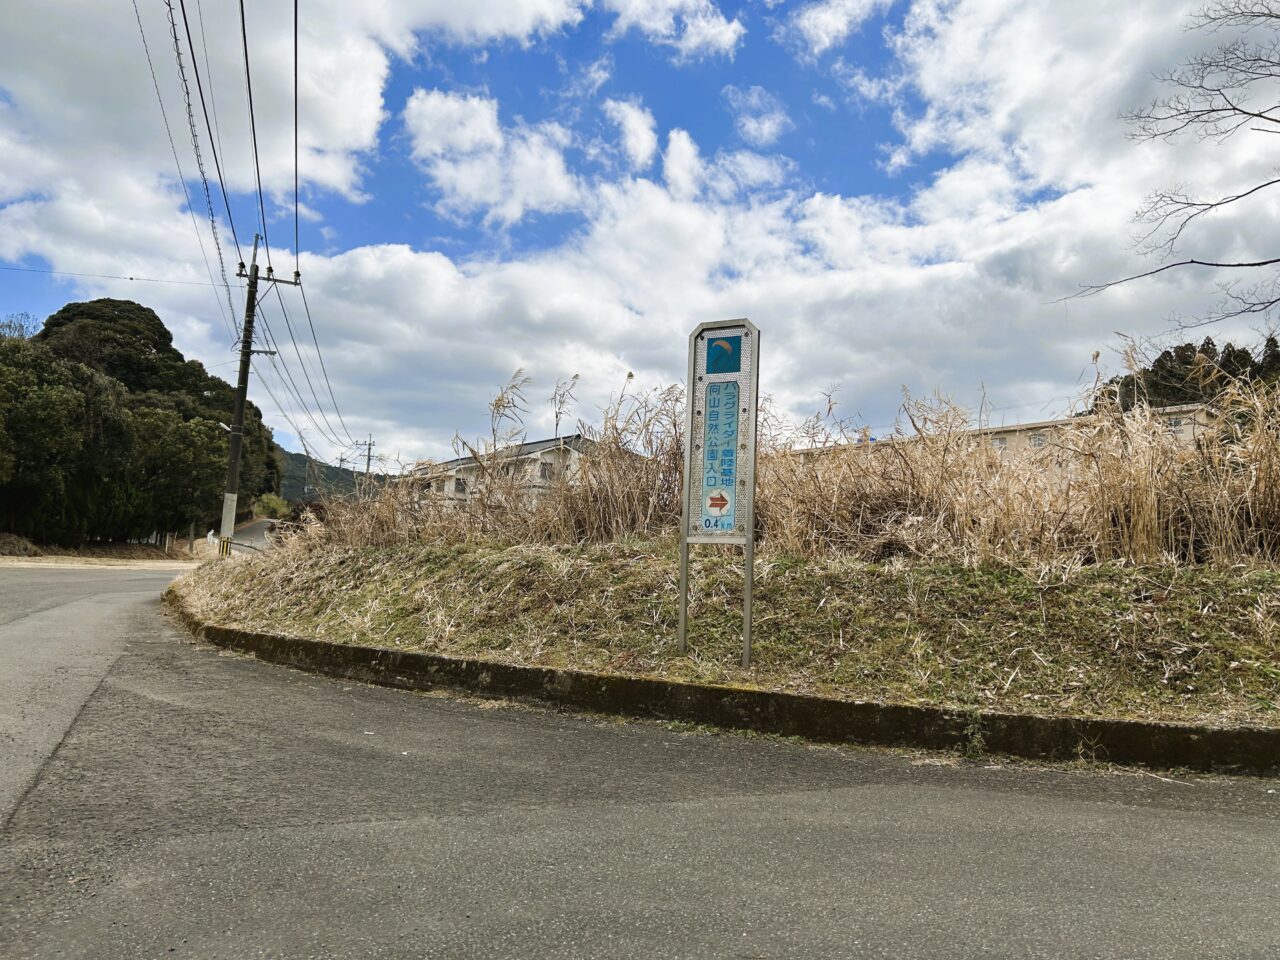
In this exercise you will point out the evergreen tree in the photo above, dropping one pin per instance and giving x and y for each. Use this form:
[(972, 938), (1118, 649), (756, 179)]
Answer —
[(1196, 374), (131, 344), (107, 432)]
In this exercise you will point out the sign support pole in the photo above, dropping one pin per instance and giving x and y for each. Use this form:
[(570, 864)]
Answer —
[(748, 581), (682, 631), (749, 548), (720, 442)]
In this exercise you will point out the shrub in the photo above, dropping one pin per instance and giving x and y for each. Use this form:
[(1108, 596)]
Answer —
[(271, 506)]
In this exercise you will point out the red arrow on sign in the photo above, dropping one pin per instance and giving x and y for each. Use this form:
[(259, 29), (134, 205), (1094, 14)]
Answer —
[(718, 502)]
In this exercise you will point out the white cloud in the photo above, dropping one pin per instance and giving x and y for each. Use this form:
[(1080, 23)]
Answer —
[(742, 172), (817, 27), (759, 116), (477, 166), (395, 22), (444, 123), (867, 87), (639, 138), (71, 94), (694, 28), (588, 83), (981, 71), (947, 286), (682, 165), (953, 285)]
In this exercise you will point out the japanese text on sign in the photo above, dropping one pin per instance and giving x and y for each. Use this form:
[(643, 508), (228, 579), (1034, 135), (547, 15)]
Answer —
[(720, 457)]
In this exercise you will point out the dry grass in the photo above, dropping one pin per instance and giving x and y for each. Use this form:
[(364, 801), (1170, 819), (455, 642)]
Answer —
[(1115, 572), (1111, 486), (1178, 643)]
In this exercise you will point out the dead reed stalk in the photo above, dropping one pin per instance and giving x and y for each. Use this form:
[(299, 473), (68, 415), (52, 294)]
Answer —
[(1111, 485)]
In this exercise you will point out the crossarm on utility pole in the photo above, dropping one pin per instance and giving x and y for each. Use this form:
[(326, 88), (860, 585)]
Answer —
[(232, 493)]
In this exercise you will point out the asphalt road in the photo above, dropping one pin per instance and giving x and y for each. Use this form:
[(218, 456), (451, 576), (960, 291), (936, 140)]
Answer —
[(160, 799), (251, 538)]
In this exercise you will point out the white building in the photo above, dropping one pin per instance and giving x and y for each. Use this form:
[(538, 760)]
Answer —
[(1185, 422), (534, 466)]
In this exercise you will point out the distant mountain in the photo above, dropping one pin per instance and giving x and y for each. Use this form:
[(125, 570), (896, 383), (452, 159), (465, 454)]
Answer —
[(300, 472)]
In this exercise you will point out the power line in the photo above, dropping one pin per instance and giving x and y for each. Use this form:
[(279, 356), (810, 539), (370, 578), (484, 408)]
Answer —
[(296, 254), (281, 369), (266, 385), (302, 363), (297, 243), (195, 145), (208, 69), (286, 380), (181, 180), (287, 377), (320, 356), (211, 282), (217, 164), (253, 133), (305, 373)]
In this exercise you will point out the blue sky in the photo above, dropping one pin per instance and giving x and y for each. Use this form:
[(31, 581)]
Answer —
[(837, 148), (898, 192)]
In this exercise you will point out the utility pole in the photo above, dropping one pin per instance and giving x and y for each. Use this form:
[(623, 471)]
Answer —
[(232, 493), (237, 418), (368, 452)]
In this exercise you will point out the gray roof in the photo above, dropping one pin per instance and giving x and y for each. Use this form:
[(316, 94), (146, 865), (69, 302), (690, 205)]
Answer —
[(574, 441)]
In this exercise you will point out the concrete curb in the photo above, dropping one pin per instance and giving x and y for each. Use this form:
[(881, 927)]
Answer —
[(1251, 750)]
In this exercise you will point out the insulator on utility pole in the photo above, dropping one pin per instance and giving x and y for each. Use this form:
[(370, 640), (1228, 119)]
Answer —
[(232, 493)]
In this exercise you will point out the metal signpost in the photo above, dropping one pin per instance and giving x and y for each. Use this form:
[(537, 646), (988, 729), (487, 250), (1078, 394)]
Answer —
[(720, 453)]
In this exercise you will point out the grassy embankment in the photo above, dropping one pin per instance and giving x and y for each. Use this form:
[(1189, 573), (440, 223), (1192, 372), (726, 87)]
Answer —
[(1147, 642), (1117, 571)]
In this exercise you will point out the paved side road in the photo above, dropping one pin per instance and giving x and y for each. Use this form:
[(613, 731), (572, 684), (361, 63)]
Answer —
[(252, 537), (165, 800), (61, 629)]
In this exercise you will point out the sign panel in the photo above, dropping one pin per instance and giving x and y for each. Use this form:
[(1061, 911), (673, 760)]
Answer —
[(720, 459), (720, 455)]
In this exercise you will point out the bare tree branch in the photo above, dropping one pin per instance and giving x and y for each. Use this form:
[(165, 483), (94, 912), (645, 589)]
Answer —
[(1089, 290), (1245, 14), (1211, 100), (1174, 210)]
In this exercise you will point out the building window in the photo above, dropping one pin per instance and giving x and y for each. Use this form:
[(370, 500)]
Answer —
[(999, 443), (459, 485), (544, 471), (1175, 422), (1038, 440), (439, 486)]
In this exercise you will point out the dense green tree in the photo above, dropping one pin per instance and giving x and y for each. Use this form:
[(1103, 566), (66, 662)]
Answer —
[(178, 466), (107, 432), (1196, 374), (303, 478), (125, 340), (67, 437), (130, 343)]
